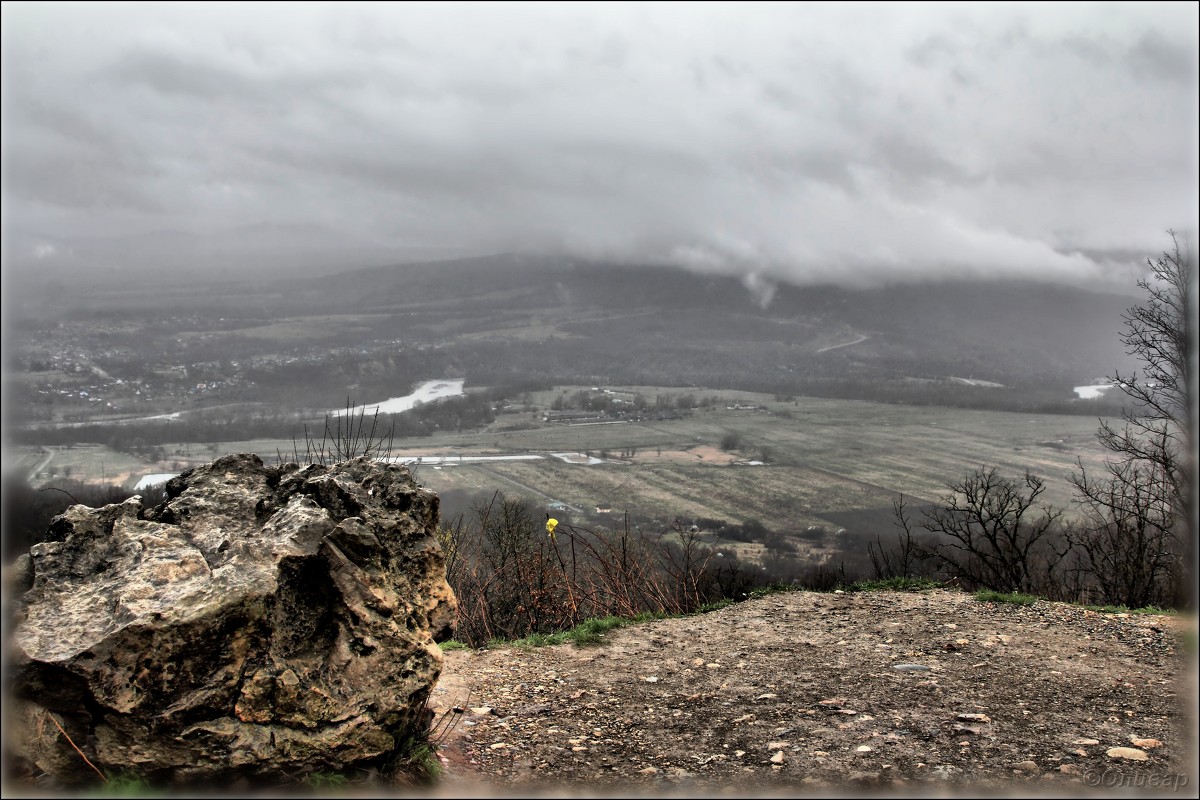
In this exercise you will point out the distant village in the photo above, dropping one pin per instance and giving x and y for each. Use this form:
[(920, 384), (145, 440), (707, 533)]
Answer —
[(75, 373)]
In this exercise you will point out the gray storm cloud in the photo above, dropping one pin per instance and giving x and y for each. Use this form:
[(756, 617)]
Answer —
[(841, 142)]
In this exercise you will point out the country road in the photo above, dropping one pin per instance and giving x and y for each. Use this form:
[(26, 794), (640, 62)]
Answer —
[(165, 417), (861, 338), (42, 464)]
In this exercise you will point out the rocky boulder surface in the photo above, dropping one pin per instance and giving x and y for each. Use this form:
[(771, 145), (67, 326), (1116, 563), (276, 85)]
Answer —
[(262, 621)]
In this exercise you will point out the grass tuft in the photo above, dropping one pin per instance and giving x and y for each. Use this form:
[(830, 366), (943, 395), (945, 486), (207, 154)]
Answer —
[(1013, 598), (591, 631), (1128, 610), (897, 584), (326, 781), (585, 634), (716, 605), (126, 784), (415, 761), (773, 588)]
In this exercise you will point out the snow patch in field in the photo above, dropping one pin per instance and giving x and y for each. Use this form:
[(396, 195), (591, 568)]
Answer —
[(154, 479), (577, 458), (1092, 392), (425, 393)]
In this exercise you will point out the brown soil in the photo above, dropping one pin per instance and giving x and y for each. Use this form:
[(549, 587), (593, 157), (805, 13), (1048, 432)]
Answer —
[(699, 454), (800, 693)]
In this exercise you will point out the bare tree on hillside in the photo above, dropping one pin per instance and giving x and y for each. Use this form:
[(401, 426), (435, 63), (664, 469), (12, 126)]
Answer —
[(902, 560), (1138, 509), (1125, 540), (992, 532)]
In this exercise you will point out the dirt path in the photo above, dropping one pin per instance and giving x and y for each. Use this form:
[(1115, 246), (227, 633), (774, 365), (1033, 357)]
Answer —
[(862, 338), (807, 691)]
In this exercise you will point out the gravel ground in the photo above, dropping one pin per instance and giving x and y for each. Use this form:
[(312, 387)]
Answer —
[(813, 693)]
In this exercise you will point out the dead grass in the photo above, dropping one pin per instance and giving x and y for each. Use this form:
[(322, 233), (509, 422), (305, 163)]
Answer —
[(700, 454)]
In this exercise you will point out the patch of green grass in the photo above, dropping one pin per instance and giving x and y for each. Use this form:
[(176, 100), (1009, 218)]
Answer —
[(1013, 598), (532, 640), (127, 784), (589, 632), (716, 605), (896, 584), (325, 781), (452, 644), (415, 761), (1128, 610), (592, 631), (773, 588)]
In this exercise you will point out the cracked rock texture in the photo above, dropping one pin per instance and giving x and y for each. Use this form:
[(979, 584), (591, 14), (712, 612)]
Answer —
[(262, 621)]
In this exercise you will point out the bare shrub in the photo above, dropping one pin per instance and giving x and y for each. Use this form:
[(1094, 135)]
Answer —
[(351, 436), (513, 578)]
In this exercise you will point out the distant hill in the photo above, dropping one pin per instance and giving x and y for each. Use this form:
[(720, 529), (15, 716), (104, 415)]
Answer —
[(514, 319), (999, 331)]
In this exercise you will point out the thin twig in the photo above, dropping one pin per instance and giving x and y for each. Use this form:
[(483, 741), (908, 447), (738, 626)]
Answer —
[(56, 489), (77, 750)]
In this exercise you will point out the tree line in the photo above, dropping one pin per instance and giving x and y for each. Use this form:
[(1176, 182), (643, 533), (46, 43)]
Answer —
[(1133, 541), (469, 412)]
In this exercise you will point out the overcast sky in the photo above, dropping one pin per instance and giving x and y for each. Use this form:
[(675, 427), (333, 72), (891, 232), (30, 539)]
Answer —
[(807, 142)]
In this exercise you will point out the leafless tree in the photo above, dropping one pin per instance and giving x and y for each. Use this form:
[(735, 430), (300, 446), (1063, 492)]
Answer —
[(993, 533), (1136, 513), (1159, 332), (900, 561), (1124, 539)]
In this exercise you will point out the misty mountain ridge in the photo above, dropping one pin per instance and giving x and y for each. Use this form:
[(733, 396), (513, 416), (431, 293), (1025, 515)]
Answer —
[(934, 327), (1013, 332), (266, 250)]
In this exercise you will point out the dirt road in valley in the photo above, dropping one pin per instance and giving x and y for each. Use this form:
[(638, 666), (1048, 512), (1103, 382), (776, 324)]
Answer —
[(813, 692), (861, 338)]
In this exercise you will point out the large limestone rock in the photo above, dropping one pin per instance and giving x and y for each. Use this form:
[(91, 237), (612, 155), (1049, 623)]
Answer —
[(262, 621)]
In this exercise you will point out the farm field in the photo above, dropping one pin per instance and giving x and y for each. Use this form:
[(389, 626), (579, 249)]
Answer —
[(89, 463), (822, 457), (828, 463)]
